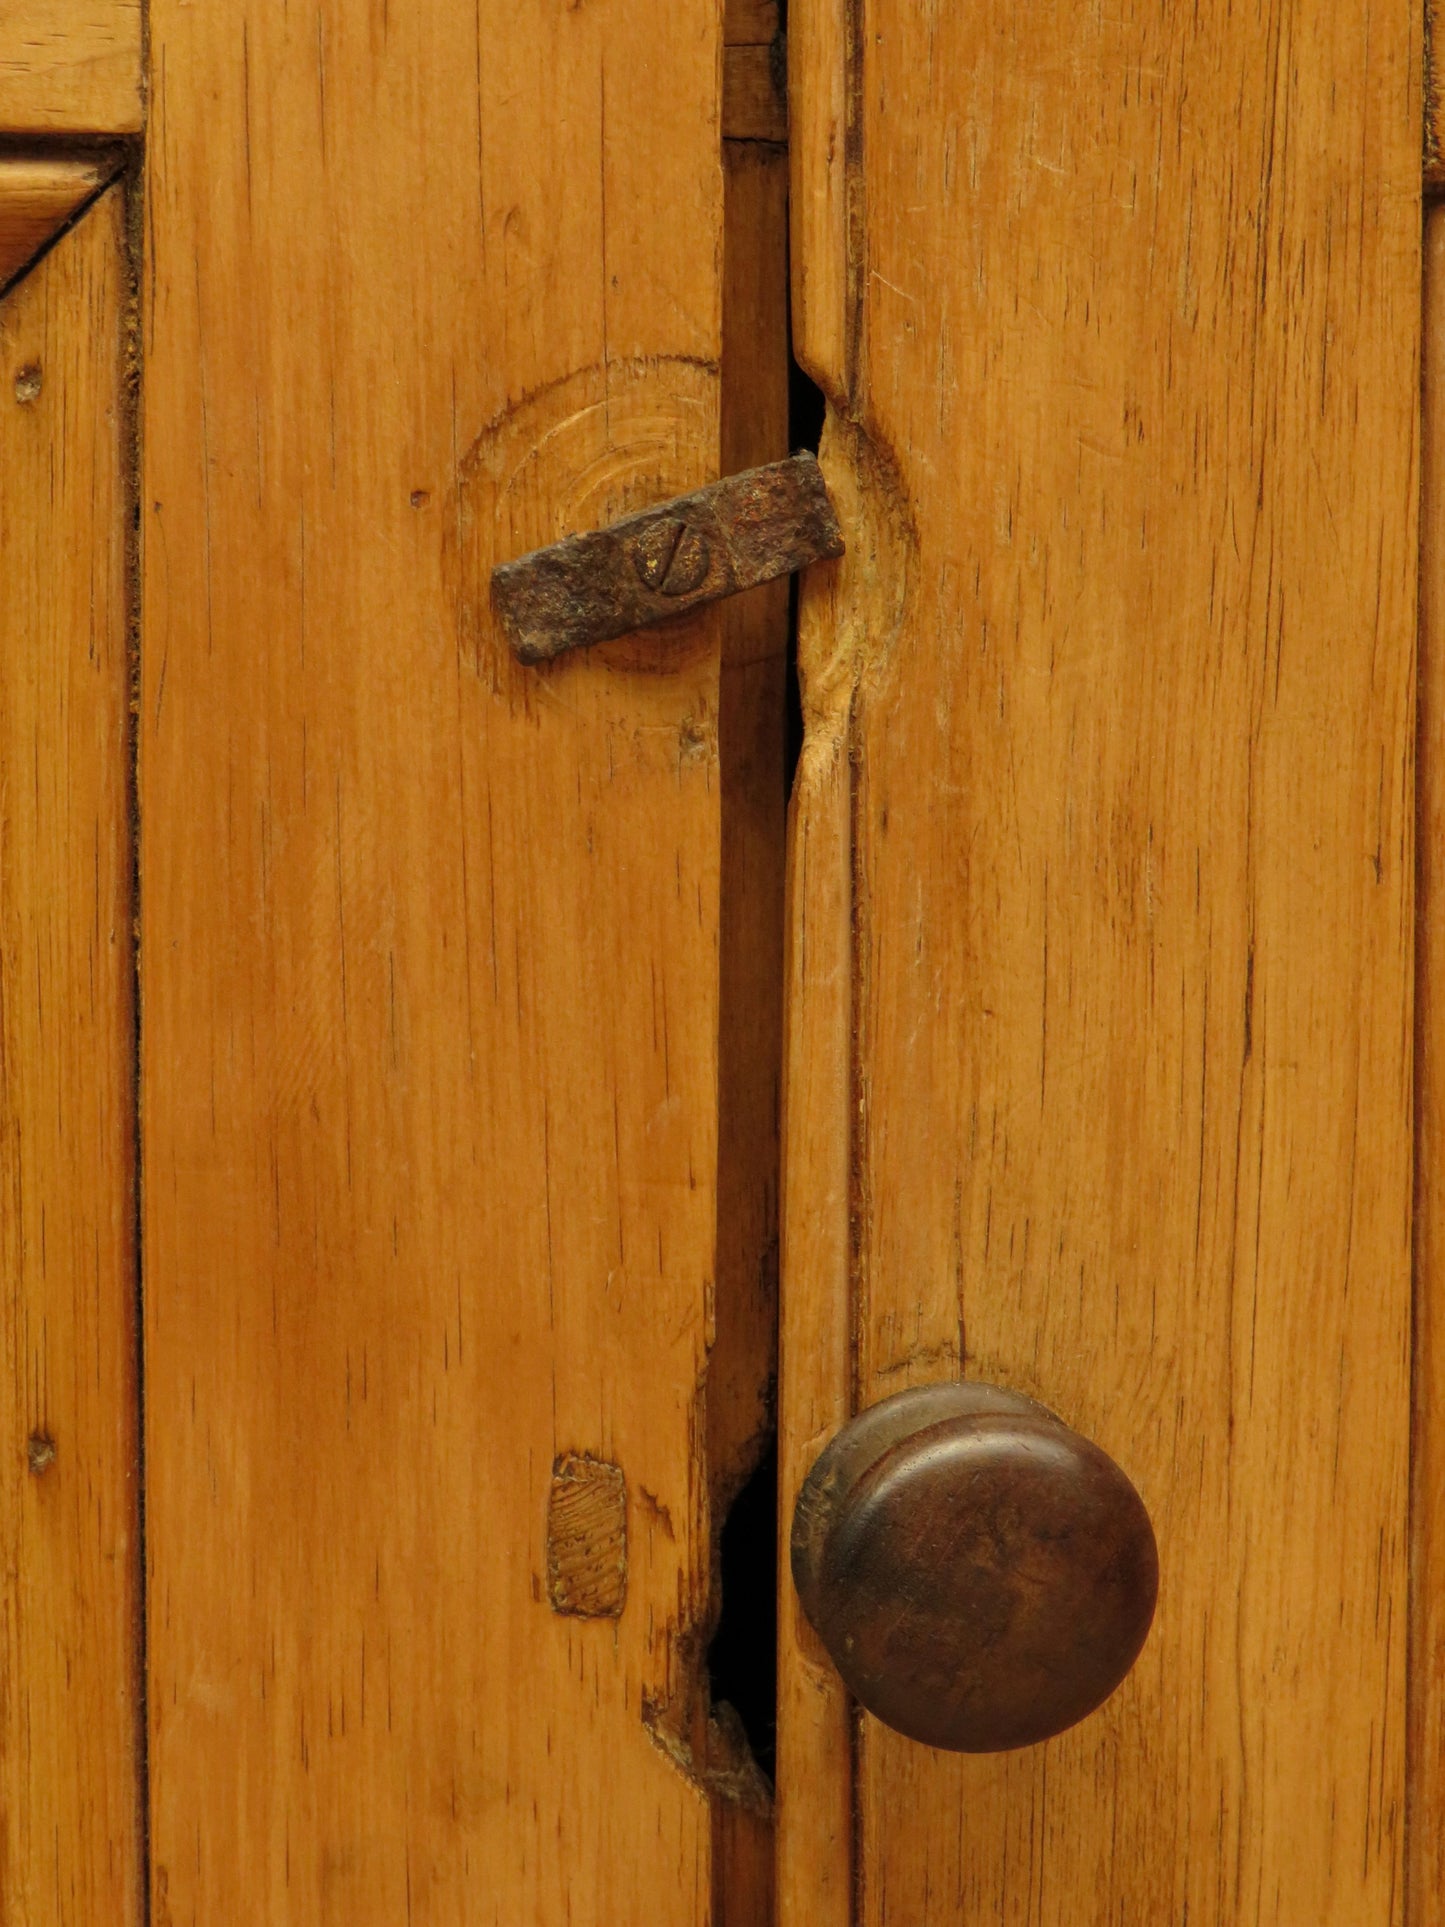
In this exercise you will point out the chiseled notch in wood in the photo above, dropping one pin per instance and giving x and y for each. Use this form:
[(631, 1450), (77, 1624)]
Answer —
[(38, 197), (587, 1538), (70, 67)]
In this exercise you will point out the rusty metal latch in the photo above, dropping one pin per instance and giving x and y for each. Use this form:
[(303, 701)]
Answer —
[(732, 535)]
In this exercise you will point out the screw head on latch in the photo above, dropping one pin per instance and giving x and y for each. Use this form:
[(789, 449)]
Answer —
[(671, 558)]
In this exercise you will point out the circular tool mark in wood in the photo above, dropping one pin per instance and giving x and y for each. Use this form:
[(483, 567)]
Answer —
[(581, 453)]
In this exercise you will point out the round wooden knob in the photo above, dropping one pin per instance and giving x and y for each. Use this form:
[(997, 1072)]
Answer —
[(982, 1576)]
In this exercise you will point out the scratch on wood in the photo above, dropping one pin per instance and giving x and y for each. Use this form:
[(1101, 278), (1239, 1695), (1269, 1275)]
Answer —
[(587, 1538)]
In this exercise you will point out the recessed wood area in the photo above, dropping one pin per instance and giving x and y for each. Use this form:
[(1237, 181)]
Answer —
[(37, 198)]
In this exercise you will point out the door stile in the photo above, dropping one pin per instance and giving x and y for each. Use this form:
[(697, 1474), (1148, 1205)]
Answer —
[(1425, 1869), (72, 1700)]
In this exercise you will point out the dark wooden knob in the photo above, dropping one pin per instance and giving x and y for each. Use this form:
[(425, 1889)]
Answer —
[(981, 1575)]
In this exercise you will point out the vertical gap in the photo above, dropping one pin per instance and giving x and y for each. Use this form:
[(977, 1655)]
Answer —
[(768, 407), (856, 244), (742, 1364), (807, 406), (1424, 1748), (132, 187), (743, 1657)]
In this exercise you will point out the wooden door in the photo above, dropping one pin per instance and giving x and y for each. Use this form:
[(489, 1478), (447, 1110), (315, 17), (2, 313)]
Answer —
[(393, 1035), (458, 1234), (441, 1385), (1106, 830)]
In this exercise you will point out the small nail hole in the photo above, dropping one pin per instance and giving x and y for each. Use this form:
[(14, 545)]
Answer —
[(420, 497), (27, 383)]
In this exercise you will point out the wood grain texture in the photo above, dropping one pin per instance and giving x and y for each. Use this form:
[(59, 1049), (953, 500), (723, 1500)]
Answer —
[(38, 195), (70, 67), (1133, 850), (1427, 1599), (821, 113), (431, 979), (70, 1717), (815, 1781)]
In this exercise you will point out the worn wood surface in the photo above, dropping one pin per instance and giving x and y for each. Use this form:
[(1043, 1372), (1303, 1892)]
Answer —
[(431, 970), (1427, 1601), (1130, 380), (38, 195), (70, 1718), (814, 1807), (70, 67), (821, 110)]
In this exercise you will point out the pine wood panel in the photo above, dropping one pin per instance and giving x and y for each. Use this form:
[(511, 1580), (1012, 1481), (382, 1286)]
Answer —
[(70, 67), (38, 195), (70, 1715), (815, 1809), (1427, 1602), (1136, 314), (822, 110), (431, 973)]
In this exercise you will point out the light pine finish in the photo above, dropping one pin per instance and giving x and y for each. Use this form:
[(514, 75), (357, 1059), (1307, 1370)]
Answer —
[(815, 1861), (38, 195), (431, 972), (821, 110), (1127, 384), (1427, 1612), (814, 1864), (70, 67), (70, 1718)]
